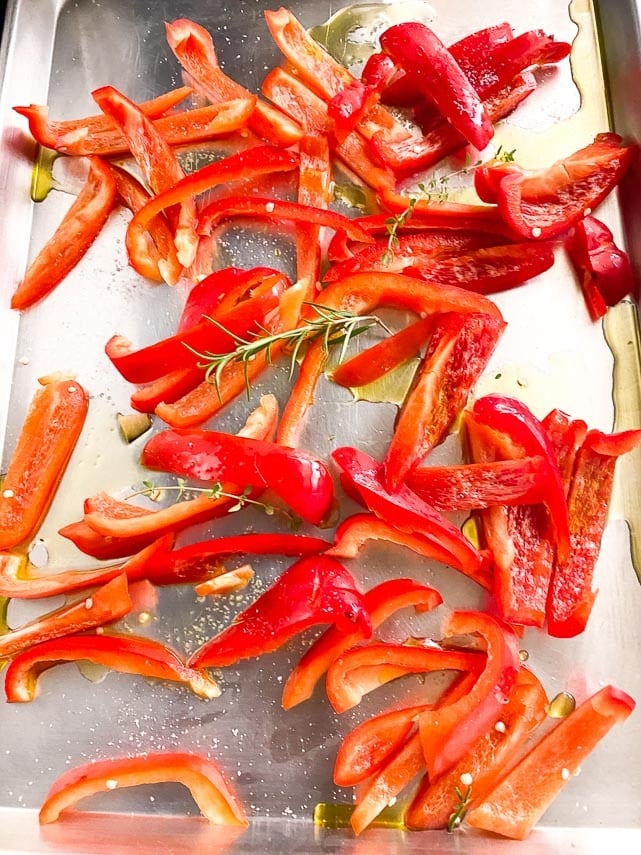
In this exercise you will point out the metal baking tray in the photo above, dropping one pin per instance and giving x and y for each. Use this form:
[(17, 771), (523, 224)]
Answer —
[(56, 52)]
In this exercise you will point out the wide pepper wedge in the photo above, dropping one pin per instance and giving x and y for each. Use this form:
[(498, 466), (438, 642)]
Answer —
[(125, 653), (211, 792), (314, 590), (516, 804), (48, 436)]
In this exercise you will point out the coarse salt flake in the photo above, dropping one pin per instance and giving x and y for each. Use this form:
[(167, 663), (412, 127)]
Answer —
[(536, 232), (88, 603), (587, 212), (269, 207), (111, 784), (8, 494), (500, 727), (565, 774), (466, 779)]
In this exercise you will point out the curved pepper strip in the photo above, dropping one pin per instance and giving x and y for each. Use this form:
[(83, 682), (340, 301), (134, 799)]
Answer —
[(252, 163), (314, 590), (315, 189), (403, 508), (128, 654), (516, 804), (103, 547), (447, 215), (66, 135), (79, 228), (300, 480), (459, 350), (443, 737), (381, 602), (362, 669), (349, 106), (106, 604), (547, 203), (194, 49), (47, 438), (211, 792), (488, 760)]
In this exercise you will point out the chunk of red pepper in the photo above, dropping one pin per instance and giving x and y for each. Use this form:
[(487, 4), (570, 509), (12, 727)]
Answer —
[(314, 590), (315, 189)]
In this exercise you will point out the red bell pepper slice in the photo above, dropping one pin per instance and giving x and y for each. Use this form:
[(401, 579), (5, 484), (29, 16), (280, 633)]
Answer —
[(488, 270), (381, 602), (211, 792), (312, 591), (459, 350), (315, 189), (448, 733), (72, 132), (251, 163), (566, 436), (487, 761), (293, 96), (480, 485), (300, 480), (403, 508), (256, 207), (570, 597), (362, 669), (197, 561), (14, 582), (349, 106), (48, 436), (205, 296), (125, 653), (79, 228), (439, 78), (604, 270), (519, 800), (106, 604), (103, 547), (194, 49), (547, 203)]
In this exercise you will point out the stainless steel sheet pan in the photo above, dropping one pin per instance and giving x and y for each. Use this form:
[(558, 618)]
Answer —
[(57, 52)]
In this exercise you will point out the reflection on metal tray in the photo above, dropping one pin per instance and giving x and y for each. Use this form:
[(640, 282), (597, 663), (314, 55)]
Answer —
[(281, 763)]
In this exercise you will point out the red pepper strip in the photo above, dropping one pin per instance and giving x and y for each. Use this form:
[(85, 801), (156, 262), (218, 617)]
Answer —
[(448, 733), (489, 270), (355, 531), (480, 485), (513, 418), (252, 163), (61, 135), (48, 436), (291, 94), (361, 293), (315, 189), (176, 352), (322, 73), (300, 480), (349, 107), (546, 203), (403, 508), (194, 49), (447, 215), (274, 209), (16, 583), (439, 138), (408, 250), (159, 164), (103, 547), (605, 271), (566, 436), (199, 561), (381, 602), (205, 400), (106, 604), (570, 598), (487, 761), (362, 669), (312, 591), (211, 792), (376, 361), (458, 352), (519, 800), (125, 653), (439, 79), (79, 228)]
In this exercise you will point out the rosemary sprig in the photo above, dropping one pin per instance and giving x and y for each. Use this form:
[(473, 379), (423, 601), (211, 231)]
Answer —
[(216, 491), (458, 814), (331, 326)]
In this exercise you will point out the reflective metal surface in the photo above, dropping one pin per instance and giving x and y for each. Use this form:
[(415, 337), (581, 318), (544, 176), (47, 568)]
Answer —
[(281, 763)]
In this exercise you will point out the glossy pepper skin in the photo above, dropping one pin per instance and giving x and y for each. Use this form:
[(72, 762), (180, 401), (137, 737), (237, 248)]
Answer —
[(314, 590), (200, 775)]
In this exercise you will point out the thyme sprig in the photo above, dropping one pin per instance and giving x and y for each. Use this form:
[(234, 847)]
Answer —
[(330, 326), (458, 814)]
